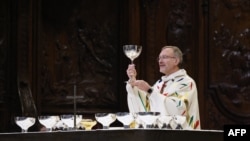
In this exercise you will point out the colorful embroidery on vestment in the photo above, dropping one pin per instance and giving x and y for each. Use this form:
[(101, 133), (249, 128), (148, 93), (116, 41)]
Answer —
[(191, 120), (197, 123), (179, 79), (183, 85)]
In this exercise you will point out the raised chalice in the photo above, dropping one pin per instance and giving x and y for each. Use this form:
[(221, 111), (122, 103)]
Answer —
[(132, 52)]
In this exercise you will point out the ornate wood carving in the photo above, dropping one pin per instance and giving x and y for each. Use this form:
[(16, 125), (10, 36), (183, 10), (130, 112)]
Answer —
[(179, 23), (181, 31), (79, 48), (229, 65)]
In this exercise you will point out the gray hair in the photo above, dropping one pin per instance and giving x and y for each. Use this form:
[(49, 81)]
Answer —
[(177, 52)]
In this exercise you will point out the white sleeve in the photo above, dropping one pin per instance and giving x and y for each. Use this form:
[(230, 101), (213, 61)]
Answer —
[(135, 99)]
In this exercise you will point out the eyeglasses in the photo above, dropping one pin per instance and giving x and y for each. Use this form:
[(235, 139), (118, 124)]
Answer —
[(164, 57)]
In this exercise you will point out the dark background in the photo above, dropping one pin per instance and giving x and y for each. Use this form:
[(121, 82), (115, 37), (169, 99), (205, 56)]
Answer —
[(48, 47)]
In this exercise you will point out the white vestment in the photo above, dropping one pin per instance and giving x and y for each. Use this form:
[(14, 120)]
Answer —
[(175, 94)]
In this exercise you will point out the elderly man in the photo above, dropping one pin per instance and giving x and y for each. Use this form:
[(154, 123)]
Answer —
[(174, 94)]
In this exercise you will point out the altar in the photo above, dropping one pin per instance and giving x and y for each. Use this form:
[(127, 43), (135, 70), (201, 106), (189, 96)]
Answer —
[(117, 135)]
